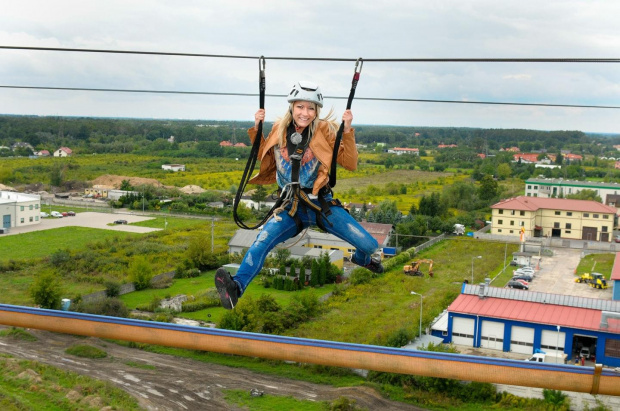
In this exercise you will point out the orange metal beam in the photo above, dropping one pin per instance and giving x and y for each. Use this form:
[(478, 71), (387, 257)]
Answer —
[(443, 365)]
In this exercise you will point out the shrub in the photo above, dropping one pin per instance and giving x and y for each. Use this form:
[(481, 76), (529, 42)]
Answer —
[(46, 290), (112, 289), (141, 273), (59, 258), (399, 339), (111, 307)]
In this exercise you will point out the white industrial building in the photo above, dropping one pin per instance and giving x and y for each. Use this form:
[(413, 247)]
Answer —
[(18, 209)]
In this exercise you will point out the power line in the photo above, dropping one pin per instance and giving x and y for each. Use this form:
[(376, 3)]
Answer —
[(210, 93), (387, 60)]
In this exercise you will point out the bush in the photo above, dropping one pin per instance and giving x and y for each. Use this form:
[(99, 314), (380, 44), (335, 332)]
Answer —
[(59, 258), (399, 339), (46, 291), (112, 289), (86, 351), (111, 307), (141, 273)]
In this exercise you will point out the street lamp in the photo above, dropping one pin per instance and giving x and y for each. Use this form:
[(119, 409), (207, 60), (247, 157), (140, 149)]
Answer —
[(472, 268), (414, 293)]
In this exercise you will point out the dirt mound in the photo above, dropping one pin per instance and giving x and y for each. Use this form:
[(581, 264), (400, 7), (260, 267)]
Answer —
[(6, 188), (192, 189), (116, 181)]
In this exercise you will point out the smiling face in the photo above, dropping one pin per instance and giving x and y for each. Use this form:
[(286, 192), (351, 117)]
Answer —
[(304, 113)]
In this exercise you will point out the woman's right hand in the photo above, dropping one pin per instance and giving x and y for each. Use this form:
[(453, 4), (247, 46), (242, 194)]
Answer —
[(258, 117)]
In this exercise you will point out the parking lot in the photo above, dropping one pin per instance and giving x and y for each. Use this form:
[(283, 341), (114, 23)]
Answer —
[(90, 220), (557, 276)]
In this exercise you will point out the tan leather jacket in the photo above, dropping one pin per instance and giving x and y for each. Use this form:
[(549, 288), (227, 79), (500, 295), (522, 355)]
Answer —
[(321, 144)]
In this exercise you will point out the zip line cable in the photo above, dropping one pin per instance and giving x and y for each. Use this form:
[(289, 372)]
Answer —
[(209, 93), (393, 60), (386, 60)]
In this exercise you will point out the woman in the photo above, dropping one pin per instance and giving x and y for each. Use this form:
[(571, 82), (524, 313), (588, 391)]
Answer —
[(297, 155)]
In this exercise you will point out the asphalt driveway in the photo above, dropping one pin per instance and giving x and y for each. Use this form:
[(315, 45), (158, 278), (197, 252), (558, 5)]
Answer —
[(90, 220)]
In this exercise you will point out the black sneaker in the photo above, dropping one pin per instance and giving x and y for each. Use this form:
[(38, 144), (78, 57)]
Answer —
[(374, 265), (227, 288)]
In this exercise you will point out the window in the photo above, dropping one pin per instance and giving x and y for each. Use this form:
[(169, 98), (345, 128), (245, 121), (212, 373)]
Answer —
[(21, 208), (499, 230), (318, 246), (568, 226), (569, 213), (32, 219), (535, 195), (586, 215), (512, 212), (511, 231), (605, 228), (529, 187), (594, 215), (522, 223), (605, 216), (500, 222), (612, 348), (512, 222), (521, 212), (566, 231), (36, 218), (556, 225), (31, 207), (501, 211), (557, 213), (535, 187), (22, 221), (36, 206)]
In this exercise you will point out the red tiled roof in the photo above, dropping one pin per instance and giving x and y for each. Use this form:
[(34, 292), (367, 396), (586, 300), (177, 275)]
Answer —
[(533, 158), (226, 144), (532, 312), (66, 150), (615, 271), (378, 231), (526, 203)]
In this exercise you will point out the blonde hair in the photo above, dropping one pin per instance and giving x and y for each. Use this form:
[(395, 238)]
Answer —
[(287, 118)]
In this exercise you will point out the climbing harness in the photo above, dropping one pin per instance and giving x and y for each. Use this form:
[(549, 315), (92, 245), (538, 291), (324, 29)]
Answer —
[(356, 76), (292, 193)]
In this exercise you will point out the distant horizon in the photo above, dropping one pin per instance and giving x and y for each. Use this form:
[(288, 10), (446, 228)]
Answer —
[(598, 133)]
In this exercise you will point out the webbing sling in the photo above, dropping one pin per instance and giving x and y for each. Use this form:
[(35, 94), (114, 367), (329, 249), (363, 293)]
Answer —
[(249, 167), (356, 76)]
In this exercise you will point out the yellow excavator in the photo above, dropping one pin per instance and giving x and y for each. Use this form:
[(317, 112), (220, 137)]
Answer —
[(414, 268)]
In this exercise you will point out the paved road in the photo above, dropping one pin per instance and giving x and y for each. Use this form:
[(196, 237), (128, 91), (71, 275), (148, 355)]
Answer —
[(91, 220)]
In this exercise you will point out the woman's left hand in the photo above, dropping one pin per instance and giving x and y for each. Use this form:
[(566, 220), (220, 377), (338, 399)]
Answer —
[(347, 117)]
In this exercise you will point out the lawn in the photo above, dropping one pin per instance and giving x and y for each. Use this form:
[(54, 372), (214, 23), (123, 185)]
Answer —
[(194, 286), (597, 263), (371, 313), (38, 244)]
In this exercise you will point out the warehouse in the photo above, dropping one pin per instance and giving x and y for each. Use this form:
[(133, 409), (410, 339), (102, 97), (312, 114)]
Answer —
[(525, 321)]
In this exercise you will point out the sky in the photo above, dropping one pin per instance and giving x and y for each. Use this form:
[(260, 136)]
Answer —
[(321, 29)]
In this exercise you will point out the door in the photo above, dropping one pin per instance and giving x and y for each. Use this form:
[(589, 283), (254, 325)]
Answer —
[(463, 331), (6, 221), (552, 342), (522, 340), (605, 237), (492, 335), (588, 233)]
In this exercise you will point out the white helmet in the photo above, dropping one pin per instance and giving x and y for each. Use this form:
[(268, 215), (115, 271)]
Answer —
[(306, 91)]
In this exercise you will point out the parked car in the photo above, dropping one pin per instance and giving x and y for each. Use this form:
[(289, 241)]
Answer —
[(527, 272), (525, 277), (56, 214), (71, 213), (65, 214), (44, 215), (514, 263), (120, 222), (522, 282), (617, 239), (585, 352), (517, 284), (526, 269)]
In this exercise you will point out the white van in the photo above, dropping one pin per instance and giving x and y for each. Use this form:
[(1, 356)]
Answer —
[(56, 214)]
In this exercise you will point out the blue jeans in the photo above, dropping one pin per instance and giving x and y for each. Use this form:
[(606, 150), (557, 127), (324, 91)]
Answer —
[(274, 232)]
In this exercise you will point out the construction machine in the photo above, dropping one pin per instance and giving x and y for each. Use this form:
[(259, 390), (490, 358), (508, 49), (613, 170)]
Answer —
[(414, 268), (585, 278), (598, 281)]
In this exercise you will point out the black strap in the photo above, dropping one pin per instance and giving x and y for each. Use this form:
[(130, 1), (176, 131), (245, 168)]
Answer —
[(356, 77), (249, 167)]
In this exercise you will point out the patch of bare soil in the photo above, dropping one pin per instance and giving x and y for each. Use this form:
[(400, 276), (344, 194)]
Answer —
[(163, 382), (115, 182)]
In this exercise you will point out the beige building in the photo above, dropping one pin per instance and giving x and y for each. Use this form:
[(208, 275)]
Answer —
[(18, 209), (553, 217)]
